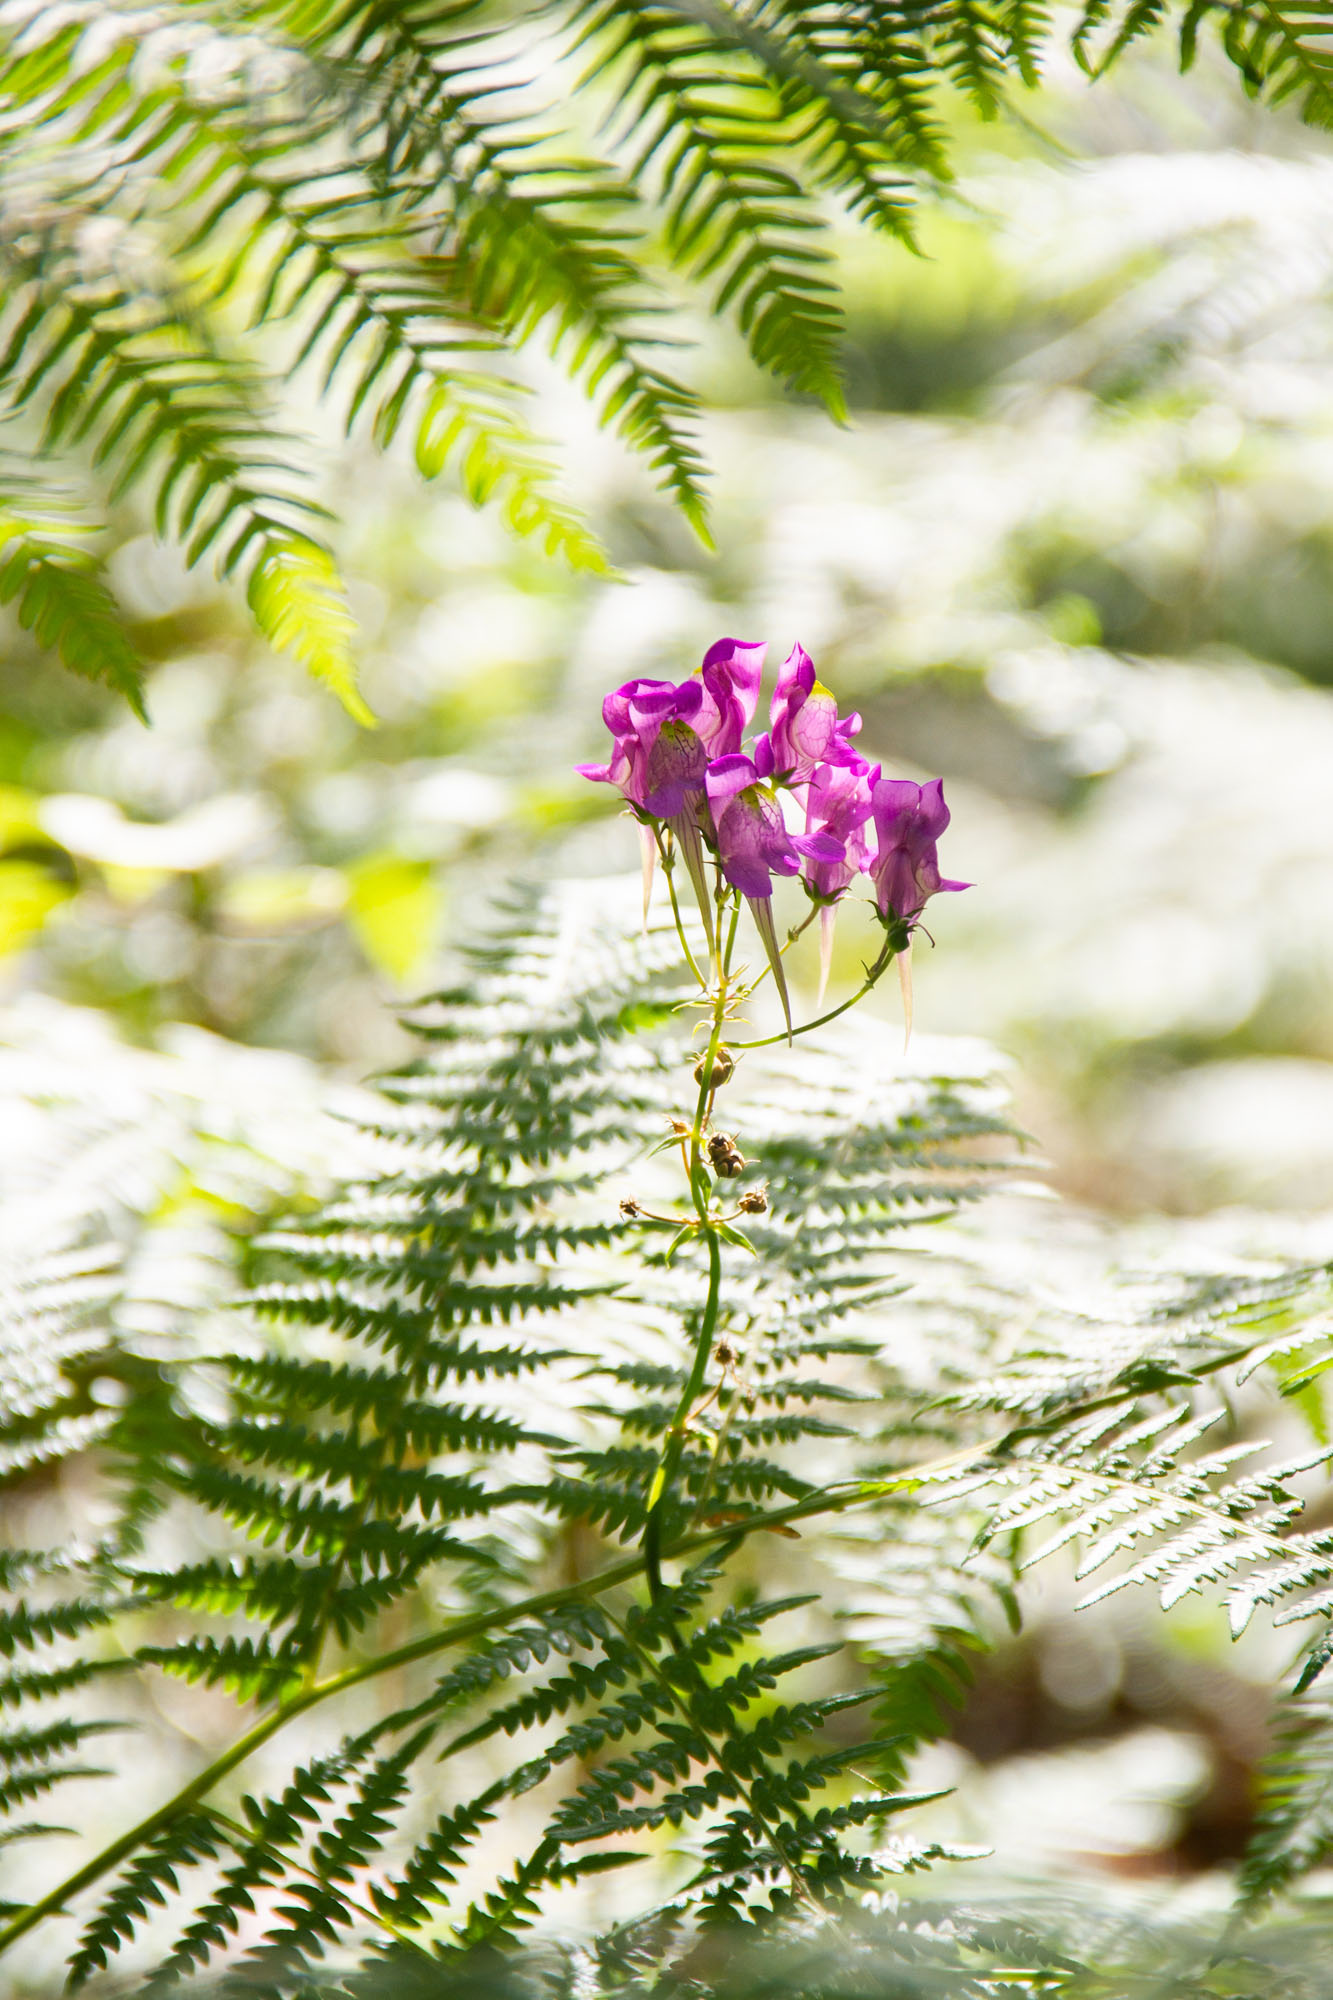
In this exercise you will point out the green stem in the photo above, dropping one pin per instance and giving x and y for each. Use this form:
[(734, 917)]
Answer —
[(872, 978), (721, 1007), (675, 910), (674, 1444), (797, 930), (827, 1500)]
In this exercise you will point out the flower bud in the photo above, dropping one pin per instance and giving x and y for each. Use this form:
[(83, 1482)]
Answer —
[(720, 1073), (725, 1157), (753, 1202)]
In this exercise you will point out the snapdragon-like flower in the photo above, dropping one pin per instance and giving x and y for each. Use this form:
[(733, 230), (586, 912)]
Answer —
[(658, 757), (663, 735), (753, 845), (731, 672), (678, 757), (838, 801), (805, 730), (909, 820)]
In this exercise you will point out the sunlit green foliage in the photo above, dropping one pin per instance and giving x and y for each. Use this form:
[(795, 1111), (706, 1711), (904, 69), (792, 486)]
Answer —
[(392, 200), (465, 1392)]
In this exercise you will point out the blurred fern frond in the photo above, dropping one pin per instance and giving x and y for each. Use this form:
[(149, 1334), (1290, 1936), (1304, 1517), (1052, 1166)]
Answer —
[(198, 200), (464, 1392), (401, 1504)]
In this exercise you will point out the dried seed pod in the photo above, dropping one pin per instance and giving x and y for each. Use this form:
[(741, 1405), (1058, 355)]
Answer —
[(725, 1157), (720, 1072), (753, 1202), (629, 1209)]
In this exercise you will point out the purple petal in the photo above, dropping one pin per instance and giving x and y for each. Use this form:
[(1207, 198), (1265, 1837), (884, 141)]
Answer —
[(895, 799), (797, 672), (821, 846), (934, 814), (663, 701), (616, 707), (742, 842), (730, 674), (742, 660), (675, 768), (729, 775)]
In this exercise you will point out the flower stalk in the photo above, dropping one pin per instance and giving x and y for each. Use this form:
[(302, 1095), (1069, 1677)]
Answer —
[(680, 760)]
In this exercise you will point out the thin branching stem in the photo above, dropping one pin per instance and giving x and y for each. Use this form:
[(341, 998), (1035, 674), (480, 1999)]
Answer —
[(674, 1443), (872, 978), (827, 1500), (669, 872)]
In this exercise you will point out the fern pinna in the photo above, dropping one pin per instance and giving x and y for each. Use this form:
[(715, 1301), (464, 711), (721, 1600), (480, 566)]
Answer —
[(200, 200), (467, 1538)]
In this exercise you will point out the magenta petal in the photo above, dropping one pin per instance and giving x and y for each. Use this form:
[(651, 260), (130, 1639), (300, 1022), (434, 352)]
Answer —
[(728, 775), (821, 846), (742, 841), (895, 797), (797, 672), (897, 886), (730, 674), (674, 769), (933, 814), (664, 702), (616, 707), (909, 819), (741, 659)]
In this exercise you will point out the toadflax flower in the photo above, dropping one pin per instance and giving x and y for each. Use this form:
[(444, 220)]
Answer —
[(838, 801), (655, 775), (909, 820), (658, 760), (753, 845), (664, 734), (679, 759), (804, 727)]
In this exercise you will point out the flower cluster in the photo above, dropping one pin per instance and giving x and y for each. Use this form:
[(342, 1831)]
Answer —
[(680, 759)]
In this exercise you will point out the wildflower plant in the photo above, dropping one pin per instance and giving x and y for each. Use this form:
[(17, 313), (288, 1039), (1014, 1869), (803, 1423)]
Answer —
[(474, 1539), (679, 760)]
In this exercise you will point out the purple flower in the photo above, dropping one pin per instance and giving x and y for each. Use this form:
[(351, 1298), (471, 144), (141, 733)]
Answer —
[(753, 843), (909, 819), (658, 758), (731, 672), (838, 801), (805, 730)]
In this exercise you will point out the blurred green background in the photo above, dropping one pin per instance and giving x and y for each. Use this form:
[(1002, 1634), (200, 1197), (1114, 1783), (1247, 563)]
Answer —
[(1074, 553)]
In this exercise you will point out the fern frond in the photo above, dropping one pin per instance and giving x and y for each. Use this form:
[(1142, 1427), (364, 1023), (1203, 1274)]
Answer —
[(1293, 1833), (152, 1874), (57, 586)]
